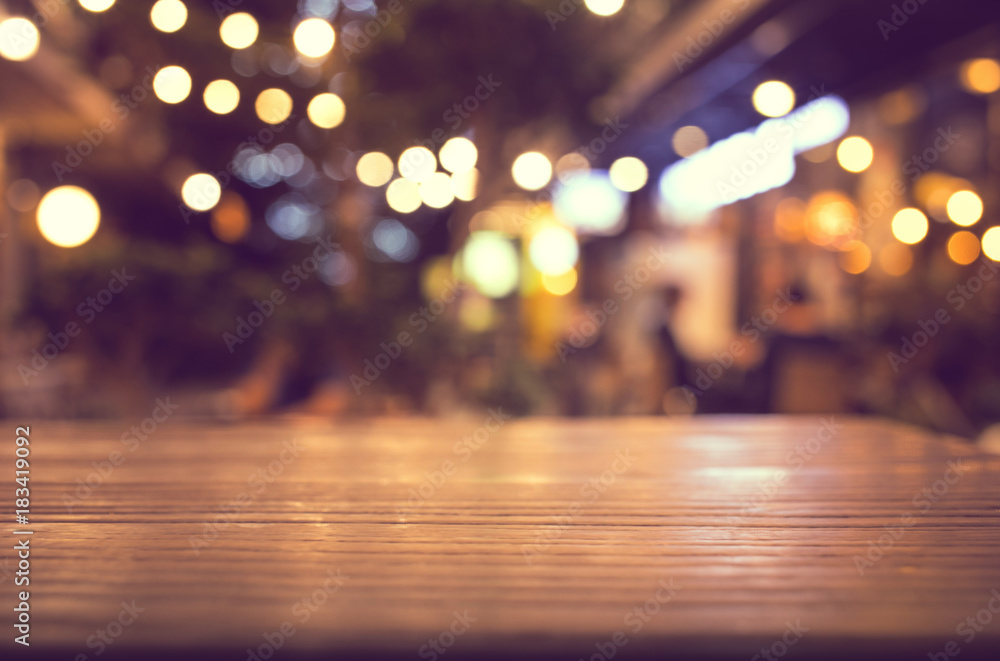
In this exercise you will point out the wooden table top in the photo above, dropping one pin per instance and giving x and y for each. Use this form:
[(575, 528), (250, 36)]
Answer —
[(697, 538)]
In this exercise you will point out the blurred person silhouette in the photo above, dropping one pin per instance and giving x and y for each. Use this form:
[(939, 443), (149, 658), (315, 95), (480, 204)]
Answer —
[(675, 365)]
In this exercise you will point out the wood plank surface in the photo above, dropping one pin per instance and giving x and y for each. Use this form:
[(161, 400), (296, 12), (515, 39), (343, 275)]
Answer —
[(545, 538)]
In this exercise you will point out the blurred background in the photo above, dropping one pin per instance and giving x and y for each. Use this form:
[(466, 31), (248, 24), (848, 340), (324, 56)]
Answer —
[(428, 207)]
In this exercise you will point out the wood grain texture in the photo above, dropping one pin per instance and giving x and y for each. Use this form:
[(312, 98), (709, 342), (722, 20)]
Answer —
[(675, 514)]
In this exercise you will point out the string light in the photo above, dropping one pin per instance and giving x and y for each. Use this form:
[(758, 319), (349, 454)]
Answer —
[(374, 169), (628, 174), (965, 208), (436, 191), (773, 98), (326, 110), (201, 192), (273, 105), (417, 164), (168, 15), (172, 84), (97, 6), (981, 76), (314, 37), (403, 195), (465, 185), (963, 247), (19, 39), (221, 97), (531, 171), (855, 154), (68, 216), (604, 7), (991, 243), (909, 226), (239, 31), (458, 155)]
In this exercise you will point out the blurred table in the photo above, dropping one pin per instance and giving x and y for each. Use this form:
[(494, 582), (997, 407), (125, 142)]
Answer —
[(684, 538)]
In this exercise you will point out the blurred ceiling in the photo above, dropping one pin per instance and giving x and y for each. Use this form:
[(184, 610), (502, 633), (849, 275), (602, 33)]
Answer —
[(562, 72)]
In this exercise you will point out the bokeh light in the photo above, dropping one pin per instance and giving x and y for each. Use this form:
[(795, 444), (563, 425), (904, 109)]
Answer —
[(436, 276), (965, 208), (532, 171), (490, 262), (395, 240), (230, 218), (855, 154), (97, 6), (172, 84), (981, 76), (591, 203), (830, 217), (273, 105), (287, 160), (855, 258), (68, 216), (553, 250), (403, 195), (458, 155), (991, 243), (963, 247), (604, 7), (374, 169), (895, 259), (789, 220), (773, 98), (477, 314), (293, 216), (326, 110), (221, 96), (239, 30), (689, 140), (910, 226), (19, 39), (628, 174), (465, 185), (340, 270), (562, 284), (903, 105), (168, 15), (435, 191), (314, 37), (201, 192), (417, 164), (933, 190)]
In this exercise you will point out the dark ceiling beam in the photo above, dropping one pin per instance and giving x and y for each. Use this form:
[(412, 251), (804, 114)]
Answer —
[(659, 66)]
